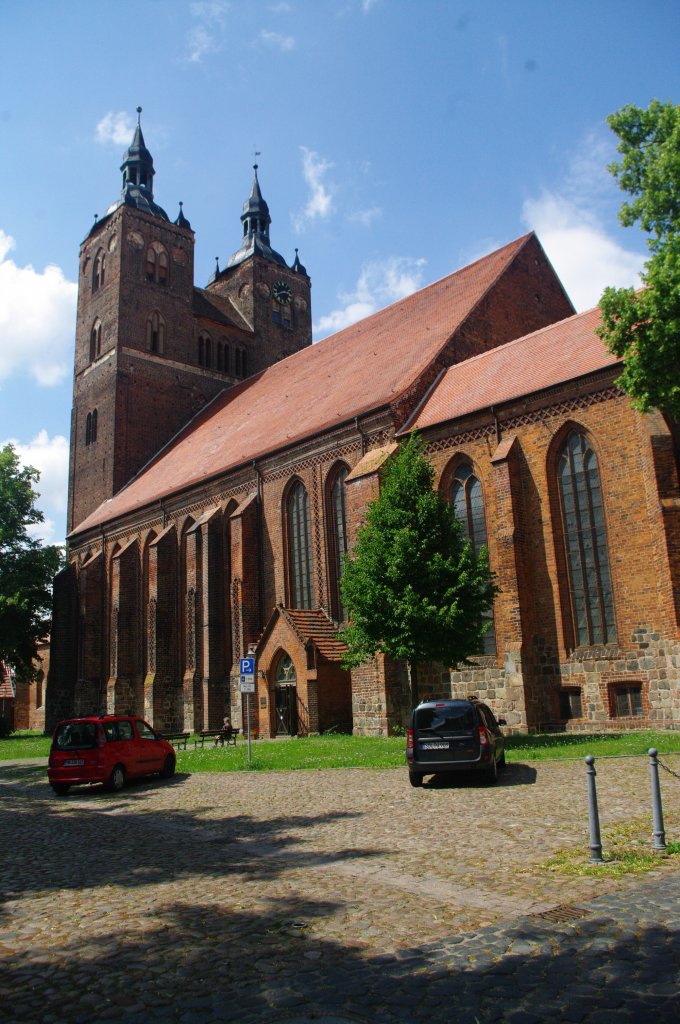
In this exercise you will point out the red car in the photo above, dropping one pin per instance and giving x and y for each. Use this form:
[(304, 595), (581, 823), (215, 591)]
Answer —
[(109, 749)]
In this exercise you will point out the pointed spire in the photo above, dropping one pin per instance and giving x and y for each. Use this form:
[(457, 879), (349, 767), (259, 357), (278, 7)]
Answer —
[(138, 172), (256, 220), (255, 217), (181, 221), (137, 166), (297, 266)]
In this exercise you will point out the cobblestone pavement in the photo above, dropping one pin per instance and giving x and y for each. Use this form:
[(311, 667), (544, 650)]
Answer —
[(331, 896)]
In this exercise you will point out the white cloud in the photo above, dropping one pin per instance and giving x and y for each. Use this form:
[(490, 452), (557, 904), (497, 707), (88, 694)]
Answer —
[(206, 37), (380, 283), (277, 39), (50, 457), (569, 222), (116, 128), (37, 316), (320, 201), (366, 217), (585, 257)]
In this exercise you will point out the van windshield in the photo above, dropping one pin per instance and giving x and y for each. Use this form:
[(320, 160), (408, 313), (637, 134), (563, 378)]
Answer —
[(76, 736), (449, 719)]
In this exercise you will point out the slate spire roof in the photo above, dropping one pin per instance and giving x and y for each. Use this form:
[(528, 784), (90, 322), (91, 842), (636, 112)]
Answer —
[(138, 174), (255, 220)]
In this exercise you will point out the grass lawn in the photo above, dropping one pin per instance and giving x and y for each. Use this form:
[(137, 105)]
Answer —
[(337, 751)]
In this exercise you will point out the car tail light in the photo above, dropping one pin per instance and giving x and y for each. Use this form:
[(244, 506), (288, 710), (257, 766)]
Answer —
[(409, 739), (483, 736)]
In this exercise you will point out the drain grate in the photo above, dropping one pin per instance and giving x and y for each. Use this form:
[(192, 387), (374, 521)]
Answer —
[(559, 915)]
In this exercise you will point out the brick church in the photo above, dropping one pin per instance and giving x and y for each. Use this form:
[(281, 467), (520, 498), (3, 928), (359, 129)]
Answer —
[(221, 464)]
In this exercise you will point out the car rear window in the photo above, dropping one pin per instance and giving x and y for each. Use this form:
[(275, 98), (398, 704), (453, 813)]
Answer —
[(449, 719), (76, 736), (116, 731)]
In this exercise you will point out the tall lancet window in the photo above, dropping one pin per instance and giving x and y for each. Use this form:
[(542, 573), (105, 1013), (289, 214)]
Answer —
[(468, 504), (299, 548), (585, 540)]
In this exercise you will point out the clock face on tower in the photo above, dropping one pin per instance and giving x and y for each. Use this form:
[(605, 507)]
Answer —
[(281, 292)]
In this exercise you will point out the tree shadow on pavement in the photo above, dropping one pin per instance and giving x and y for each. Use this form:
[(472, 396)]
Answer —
[(205, 963)]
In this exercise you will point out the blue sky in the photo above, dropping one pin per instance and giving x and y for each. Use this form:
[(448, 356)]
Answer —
[(398, 140)]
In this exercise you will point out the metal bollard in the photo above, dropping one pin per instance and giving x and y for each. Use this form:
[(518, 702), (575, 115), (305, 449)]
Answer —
[(657, 811), (593, 815)]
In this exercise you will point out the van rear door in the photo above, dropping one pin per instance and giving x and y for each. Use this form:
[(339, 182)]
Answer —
[(446, 733)]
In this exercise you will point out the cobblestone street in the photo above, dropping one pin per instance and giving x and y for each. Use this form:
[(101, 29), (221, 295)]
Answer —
[(331, 896)]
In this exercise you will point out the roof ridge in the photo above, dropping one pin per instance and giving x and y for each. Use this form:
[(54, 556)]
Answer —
[(523, 239)]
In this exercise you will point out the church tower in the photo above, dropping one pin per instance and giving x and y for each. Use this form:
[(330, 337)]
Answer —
[(151, 348), (135, 378), (273, 298)]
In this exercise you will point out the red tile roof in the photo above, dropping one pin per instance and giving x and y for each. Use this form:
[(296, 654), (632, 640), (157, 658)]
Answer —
[(553, 355), (364, 367), (313, 624)]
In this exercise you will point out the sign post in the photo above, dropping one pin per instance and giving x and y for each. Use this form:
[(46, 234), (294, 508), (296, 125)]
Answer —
[(247, 673)]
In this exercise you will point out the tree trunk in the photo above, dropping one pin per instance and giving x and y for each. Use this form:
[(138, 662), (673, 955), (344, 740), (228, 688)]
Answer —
[(413, 682)]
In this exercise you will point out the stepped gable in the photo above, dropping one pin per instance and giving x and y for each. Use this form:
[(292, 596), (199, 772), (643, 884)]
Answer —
[(553, 355), (363, 368)]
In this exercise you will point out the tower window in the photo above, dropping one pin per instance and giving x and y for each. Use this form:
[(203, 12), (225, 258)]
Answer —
[(240, 369), (91, 427), (98, 270), (156, 264), (95, 341), (155, 333), (204, 350)]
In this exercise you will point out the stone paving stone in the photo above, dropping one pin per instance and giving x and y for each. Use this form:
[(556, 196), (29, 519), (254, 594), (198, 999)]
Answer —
[(255, 899)]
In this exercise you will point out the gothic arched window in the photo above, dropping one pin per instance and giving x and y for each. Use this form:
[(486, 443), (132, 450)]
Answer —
[(337, 537), (299, 547), (98, 270), (155, 333), (95, 341), (156, 263), (468, 505), (585, 542), (91, 427)]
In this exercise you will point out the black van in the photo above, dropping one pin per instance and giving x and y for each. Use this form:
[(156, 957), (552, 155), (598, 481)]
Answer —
[(451, 736)]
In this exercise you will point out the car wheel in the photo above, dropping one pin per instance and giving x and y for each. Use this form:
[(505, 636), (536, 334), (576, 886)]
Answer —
[(116, 779), (168, 769), (502, 763), (416, 779), (492, 772), (60, 788)]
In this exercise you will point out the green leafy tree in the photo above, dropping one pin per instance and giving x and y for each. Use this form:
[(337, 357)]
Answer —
[(26, 567), (413, 586), (643, 328)]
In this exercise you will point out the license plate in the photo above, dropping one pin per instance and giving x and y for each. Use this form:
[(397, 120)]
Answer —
[(73, 762), (434, 746)]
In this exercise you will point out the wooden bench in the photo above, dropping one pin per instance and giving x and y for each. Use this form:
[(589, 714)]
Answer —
[(222, 736), (178, 739)]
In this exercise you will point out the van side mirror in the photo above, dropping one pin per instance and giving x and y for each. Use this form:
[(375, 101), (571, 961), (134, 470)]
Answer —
[(501, 721)]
